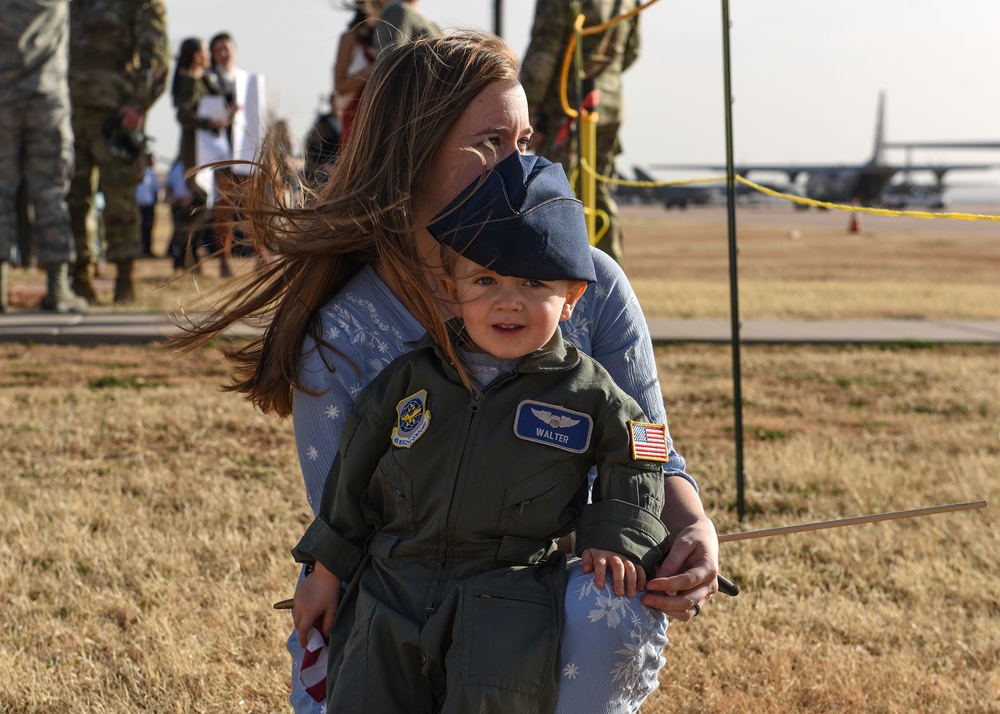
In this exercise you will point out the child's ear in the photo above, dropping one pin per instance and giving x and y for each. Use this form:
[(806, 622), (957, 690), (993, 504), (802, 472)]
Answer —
[(574, 292), (450, 288)]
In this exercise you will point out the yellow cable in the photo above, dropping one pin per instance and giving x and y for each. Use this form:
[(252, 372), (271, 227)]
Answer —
[(865, 209), (803, 200), (578, 28), (596, 29)]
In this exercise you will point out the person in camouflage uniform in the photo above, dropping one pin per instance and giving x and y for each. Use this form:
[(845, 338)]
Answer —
[(36, 141), (605, 57), (119, 61), (400, 21)]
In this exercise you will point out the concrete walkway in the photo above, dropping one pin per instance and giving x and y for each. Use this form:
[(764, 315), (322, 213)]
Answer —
[(135, 328)]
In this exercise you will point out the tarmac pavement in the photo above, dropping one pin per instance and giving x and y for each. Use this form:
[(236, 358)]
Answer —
[(138, 328)]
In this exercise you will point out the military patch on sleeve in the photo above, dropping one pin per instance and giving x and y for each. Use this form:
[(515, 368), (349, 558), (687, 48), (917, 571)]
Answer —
[(413, 418), (553, 426), (649, 441)]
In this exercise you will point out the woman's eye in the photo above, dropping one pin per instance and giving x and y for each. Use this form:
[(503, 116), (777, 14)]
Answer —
[(523, 143)]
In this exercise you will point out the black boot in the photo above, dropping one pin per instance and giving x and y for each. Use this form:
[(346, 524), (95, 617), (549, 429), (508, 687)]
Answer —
[(4, 286), (124, 283), (83, 281)]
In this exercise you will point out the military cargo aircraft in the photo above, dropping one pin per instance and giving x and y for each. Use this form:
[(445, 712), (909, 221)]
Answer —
[(842, 183)]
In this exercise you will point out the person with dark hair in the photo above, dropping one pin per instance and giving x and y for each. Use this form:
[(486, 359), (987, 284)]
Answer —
[(147, 195), (245, 100), (354, 281), (322, 146), (190, 84), (353, 65)]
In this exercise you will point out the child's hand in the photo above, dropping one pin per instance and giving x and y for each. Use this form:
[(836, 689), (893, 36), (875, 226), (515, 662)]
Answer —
[(316, 599), (626, 578)]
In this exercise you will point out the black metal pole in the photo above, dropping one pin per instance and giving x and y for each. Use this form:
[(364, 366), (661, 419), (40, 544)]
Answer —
[(498, 18), (734, 294)]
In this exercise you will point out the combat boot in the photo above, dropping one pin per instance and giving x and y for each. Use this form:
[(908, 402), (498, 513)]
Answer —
[(60, 298), (4, 285), (83, 281), (124, 284)]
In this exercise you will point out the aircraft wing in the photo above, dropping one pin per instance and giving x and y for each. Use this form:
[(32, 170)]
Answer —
[(936, 168), (794, 170), (987, 144), (790, 170)]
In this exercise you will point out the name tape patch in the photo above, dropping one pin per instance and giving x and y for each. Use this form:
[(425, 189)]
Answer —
[(553, 426)]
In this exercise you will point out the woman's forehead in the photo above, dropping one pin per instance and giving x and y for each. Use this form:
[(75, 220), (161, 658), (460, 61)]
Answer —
[(501, 105)]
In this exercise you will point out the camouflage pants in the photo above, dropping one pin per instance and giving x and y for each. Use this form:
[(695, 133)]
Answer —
[(116, 180), (608, 148), (36, 145)]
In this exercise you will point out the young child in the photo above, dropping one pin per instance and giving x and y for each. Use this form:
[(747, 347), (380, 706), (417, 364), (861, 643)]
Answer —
[(445, 502)]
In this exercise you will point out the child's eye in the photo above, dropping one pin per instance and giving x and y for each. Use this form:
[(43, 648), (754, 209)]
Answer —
[(534, 284), (484, 280)]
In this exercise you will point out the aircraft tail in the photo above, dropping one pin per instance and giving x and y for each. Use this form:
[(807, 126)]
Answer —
[(641, 175), (878, 150)]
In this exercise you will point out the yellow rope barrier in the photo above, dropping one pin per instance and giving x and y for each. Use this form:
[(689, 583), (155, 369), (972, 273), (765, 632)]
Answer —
[(578, 28), (803, 200), (865, 209)]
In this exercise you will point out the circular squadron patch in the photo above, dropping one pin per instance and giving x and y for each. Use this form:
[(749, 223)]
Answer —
[(413, 418)]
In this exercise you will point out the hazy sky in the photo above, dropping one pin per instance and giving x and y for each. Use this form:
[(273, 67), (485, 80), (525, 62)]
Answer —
[(805, 75)]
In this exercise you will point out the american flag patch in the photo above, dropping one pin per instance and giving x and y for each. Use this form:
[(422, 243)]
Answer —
[(649, 441)]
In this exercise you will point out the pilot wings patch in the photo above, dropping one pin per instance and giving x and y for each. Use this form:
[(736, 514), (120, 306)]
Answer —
[(553, 425), (556, 421)]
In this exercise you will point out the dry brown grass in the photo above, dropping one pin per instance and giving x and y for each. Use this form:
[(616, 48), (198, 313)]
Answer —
[(146, 524), (146, 519), (894, 617), (796, 265)]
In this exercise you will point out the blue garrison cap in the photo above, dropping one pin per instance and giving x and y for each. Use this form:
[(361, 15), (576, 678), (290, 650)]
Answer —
[(523, 221)]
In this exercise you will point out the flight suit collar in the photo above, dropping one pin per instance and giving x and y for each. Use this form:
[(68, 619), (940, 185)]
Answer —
[(555, 355)]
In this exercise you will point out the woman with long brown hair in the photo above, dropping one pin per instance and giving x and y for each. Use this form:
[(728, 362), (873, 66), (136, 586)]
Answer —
[(353, 281)]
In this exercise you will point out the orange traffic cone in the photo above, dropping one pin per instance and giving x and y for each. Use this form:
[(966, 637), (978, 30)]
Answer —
[(854, 226)]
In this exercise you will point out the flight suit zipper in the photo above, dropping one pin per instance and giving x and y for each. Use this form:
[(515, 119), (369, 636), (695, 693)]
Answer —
[(472, 412)]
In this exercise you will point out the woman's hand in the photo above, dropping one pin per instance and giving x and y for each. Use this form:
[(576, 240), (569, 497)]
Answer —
[(316, 599), (688, 575)]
